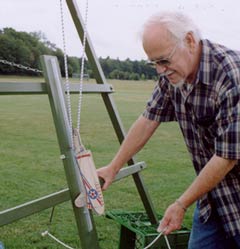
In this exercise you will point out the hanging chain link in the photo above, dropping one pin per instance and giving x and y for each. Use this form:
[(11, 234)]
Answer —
[(20, 66), (67, 84), (69, 109), (82, 68)]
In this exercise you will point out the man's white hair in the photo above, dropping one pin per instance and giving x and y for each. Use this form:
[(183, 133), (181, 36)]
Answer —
[(177, 23)]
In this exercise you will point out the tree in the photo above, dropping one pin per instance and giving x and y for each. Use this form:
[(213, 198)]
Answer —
[(25, 48), (21, 48)]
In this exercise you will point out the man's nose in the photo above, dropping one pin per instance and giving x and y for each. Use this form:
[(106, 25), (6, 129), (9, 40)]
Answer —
[(161, 69)]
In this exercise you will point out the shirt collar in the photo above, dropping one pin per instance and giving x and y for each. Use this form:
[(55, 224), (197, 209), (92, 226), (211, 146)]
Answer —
[(204, 72)]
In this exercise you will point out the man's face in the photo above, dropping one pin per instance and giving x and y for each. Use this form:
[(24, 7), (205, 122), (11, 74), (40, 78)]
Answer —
[(170, 57)]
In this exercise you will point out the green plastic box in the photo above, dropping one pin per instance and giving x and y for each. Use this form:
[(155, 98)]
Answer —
[(137, 232)]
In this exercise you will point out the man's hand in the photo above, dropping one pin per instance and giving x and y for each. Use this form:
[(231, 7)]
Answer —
[(212, 173), (172, 219), (107, 174)]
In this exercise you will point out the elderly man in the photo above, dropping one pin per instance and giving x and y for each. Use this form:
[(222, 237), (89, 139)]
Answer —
[(199, 87)]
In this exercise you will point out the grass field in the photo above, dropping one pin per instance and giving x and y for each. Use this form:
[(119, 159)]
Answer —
[(30, 166)]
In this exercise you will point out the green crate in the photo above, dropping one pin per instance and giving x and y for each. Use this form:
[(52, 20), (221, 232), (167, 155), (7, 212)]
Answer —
[(137, 232)]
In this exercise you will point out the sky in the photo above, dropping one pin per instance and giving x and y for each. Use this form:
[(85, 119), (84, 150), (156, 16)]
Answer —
[(114, 25)]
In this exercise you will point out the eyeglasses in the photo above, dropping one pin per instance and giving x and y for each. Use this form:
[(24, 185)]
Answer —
[(163, 61)]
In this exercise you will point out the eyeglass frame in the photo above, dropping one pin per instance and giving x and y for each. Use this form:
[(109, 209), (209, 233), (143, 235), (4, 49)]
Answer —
[(163, 61)]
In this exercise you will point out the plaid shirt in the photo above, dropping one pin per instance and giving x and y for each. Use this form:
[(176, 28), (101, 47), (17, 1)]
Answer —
[(208, 112)]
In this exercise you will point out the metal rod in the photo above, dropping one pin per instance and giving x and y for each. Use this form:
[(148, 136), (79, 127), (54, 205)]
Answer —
[(10, 88), (34, 206), (13, 214), (85, 224)]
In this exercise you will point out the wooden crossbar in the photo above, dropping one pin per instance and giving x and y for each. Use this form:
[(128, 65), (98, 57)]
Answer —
[(13, 214), (10, 88)]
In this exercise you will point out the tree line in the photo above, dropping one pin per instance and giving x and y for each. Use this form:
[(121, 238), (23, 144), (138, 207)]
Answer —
[(25, 49)]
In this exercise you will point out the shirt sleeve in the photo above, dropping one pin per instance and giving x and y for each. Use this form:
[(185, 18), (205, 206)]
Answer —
[(160, 107), (227, 142)]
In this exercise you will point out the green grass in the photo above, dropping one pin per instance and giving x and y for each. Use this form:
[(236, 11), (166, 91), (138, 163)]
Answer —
[(30, 166)]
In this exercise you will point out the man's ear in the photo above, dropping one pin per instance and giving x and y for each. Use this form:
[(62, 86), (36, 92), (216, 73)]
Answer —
[(190, 41)]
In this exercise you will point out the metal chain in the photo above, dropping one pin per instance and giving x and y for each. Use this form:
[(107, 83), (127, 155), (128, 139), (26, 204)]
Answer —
[(67, 84), (82, 68), (66, 69), (20, 66)]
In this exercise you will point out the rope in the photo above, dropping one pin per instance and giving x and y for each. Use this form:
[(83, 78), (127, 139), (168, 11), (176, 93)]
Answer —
[(45, 233), (157, 238), (167, 242), (82, 67), (69, 108)]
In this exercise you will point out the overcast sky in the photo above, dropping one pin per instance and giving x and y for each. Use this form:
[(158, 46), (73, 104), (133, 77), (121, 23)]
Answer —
[(114, 25)]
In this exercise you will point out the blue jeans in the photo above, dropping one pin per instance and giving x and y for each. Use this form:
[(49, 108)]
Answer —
[(1, 245), (210, 235)]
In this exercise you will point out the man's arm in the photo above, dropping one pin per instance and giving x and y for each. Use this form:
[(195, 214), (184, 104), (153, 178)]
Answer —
[(214, 171), (137, 137)]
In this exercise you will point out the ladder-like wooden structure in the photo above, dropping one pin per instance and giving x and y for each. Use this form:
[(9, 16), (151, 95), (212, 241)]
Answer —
[(54, 88)]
